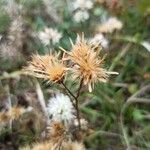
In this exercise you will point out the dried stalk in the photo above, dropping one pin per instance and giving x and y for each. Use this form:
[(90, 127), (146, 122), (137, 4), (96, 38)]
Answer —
[(41, 99), (76, 104)]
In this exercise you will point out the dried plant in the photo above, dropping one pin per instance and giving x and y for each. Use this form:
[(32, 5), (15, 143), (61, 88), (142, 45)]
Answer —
[(40, 146), (87, 63), (86, 67), (48, 67), (74, 146), (56, 132), (61, 109), (14, 113), (76, 105), (49, 35), (110, 25)]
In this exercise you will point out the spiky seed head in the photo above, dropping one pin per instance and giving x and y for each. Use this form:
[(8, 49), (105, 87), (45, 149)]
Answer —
[(48, 67), (88, 65)]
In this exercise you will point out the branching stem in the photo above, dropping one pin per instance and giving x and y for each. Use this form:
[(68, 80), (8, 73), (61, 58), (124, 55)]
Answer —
[(69, 93), (76, 104)]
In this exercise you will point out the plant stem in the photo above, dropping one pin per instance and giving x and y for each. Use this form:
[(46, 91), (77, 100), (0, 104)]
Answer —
[(70, 94), (9, 105), (78, 114), (76, 104), (80, 86)]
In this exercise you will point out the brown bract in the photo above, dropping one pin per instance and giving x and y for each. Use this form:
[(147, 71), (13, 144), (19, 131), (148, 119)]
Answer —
[(48, 67), (88, 65), (14, 113), (56, 132)]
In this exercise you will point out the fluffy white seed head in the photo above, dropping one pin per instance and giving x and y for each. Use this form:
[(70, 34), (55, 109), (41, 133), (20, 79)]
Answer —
[(49, 34), (83, 4), (99, 38), (61, 109), (81, 16), (110, 25)]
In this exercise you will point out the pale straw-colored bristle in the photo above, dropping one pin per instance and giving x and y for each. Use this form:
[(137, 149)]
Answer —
[(48, 67), (88, 65)]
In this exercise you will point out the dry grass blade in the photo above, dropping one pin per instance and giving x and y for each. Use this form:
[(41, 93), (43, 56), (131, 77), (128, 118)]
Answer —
[(41, 99)]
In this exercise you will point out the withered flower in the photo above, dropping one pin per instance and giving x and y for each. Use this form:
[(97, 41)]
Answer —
[(14, 113), (87, 63), (40, 146), (56, 132), (4, 117), (48, 67), (74, 146)]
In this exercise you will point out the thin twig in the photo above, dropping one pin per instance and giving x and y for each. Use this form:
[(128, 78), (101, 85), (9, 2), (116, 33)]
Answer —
[(69, 93), (74, 104), (78, 113), (80, 86), (138, 100), (77, 102), (141, 91), (105, 133)]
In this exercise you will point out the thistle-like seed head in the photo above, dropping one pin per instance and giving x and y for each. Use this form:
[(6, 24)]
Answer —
[(88, 65), (48, 67)]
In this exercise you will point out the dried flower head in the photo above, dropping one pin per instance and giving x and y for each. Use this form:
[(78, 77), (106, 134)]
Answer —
[(100, 1), (49, 34), (13, 114), (56, 132), (48, 67), (40, 146), (87, 63), (83, 4), (99, 38), (61, 108), (16, 112), (110, 25), (83, 123), (81, 16), (4, 117), (73, 146), (43, 146)]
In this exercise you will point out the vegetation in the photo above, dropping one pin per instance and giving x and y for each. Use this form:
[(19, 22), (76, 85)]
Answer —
[(53, 47)]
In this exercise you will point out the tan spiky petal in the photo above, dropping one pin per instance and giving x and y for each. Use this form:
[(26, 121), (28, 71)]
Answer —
[(43, 146), (74, 146), (40, 146), (88, 65), (47, 67)]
